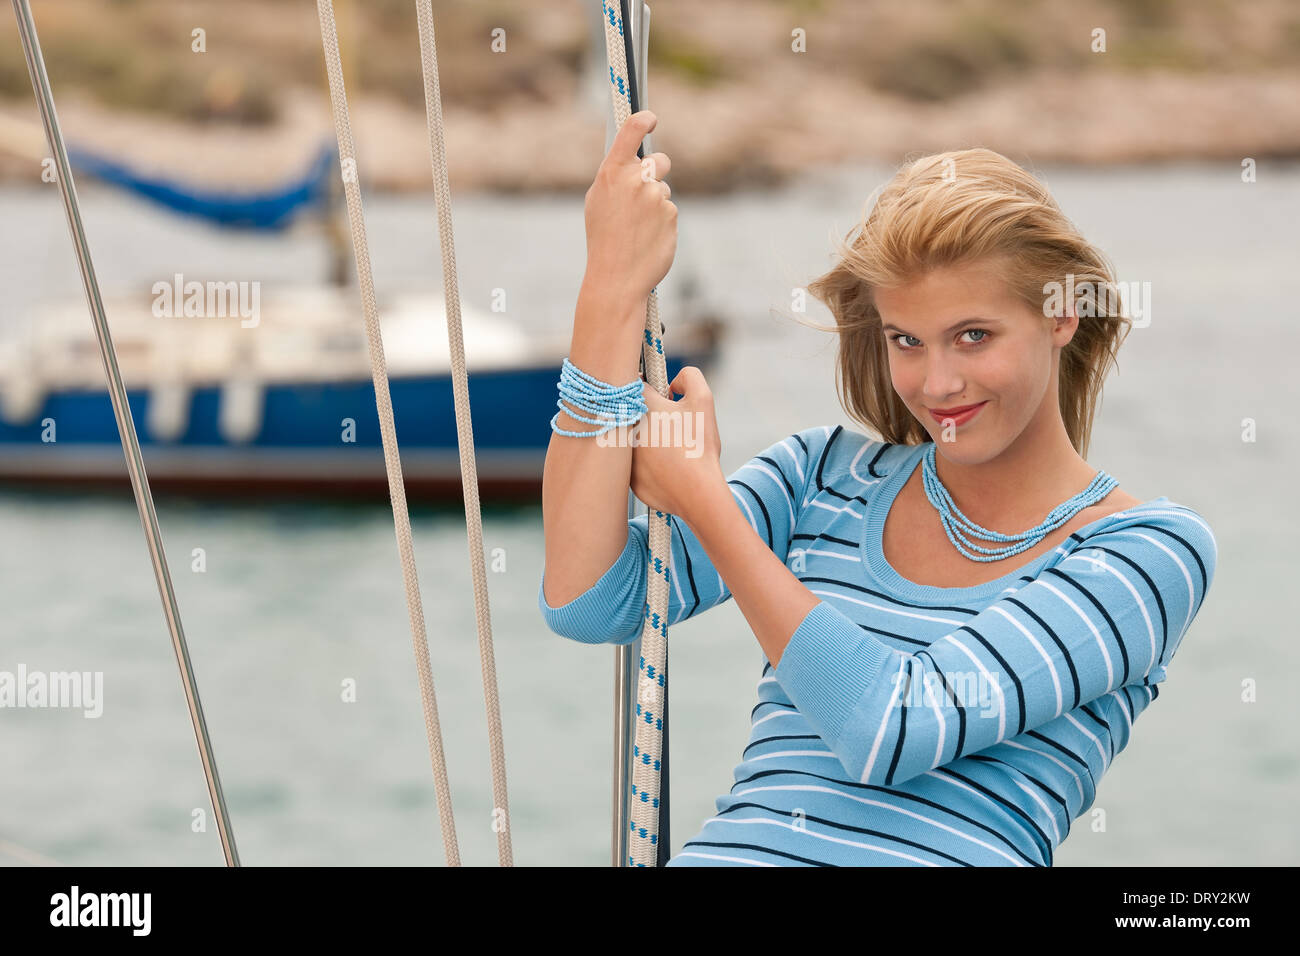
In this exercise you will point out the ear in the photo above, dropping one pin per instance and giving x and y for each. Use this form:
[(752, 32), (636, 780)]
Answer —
[(1064, 327)]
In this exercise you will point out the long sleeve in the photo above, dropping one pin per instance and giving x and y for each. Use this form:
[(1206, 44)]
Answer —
[(770, 489), (1108, 617)]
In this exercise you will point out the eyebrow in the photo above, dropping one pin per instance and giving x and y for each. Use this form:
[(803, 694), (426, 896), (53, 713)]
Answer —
[(962, 324)]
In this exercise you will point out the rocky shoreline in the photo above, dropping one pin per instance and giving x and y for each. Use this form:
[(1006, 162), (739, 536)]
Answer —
[(802, 123), (748, 94)]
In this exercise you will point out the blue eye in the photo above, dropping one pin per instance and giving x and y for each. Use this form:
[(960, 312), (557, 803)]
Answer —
[(983, 333)]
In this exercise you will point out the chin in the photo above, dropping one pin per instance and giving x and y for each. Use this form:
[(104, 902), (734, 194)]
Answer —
[(967, 449), (962, 452), (972, 444)]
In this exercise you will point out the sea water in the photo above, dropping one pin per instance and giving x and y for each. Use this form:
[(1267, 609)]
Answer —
[(297, 623)]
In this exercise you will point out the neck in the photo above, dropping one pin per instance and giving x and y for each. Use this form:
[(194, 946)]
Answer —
[(1032, 475)]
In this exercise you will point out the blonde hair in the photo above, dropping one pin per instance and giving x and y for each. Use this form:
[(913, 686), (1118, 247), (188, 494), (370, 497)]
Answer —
[(954, 208)]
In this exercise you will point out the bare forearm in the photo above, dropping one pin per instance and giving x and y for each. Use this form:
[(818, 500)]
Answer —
[(585, 485), (772, 599)]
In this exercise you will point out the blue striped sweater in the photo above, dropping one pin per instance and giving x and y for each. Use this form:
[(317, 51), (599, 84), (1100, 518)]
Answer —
[(908, 724)]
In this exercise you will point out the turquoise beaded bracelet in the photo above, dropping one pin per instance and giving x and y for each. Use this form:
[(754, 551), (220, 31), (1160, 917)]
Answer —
[(613, 404)]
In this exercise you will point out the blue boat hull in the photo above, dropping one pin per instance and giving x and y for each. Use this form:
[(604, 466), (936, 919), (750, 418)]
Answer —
[(313, 439)]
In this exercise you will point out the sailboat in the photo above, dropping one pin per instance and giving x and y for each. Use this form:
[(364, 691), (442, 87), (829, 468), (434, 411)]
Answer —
[(240, 390), (170, 376)]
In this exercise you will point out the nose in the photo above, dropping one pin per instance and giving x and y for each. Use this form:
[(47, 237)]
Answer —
[(943, 379)]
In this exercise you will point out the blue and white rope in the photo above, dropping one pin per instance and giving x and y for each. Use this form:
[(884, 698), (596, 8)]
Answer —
[(652, 679)]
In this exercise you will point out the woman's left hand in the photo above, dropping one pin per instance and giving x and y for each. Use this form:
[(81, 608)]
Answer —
[(676, 453)]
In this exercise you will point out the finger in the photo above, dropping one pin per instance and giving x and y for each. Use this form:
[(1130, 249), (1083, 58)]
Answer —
[(634, 129), (690, 379), (649, 175), (662, 164), (655, 166)]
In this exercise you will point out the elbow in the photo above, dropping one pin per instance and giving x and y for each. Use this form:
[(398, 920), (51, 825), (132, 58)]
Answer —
[(860, 767), (883, 760), (579, 621), (881, 773), (611, 611), (561, 619), (887, 776)]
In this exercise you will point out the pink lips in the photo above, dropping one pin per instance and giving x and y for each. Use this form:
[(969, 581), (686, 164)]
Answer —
[(958, 416)]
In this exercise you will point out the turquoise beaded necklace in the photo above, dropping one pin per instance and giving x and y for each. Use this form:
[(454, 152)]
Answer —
[(958, 526)]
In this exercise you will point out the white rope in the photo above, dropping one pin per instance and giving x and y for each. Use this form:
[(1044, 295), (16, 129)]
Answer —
[(464, 425), (652, 681), (383, 402), (25, 855)]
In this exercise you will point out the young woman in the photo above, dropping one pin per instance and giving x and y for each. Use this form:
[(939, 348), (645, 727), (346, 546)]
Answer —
[(960, 619)]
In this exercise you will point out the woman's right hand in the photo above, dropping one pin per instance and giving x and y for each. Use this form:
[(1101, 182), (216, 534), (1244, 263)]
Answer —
[(631, 222)]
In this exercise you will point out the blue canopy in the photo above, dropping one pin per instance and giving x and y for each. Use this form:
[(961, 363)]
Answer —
[(270, 210)]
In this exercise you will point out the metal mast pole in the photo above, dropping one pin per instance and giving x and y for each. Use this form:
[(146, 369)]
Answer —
[(125, 424)]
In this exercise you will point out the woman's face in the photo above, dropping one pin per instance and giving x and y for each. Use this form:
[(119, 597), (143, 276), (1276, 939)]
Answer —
[(958, 336)]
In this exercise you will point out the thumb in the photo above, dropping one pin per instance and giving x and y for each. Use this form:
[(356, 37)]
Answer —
[(630, 134)]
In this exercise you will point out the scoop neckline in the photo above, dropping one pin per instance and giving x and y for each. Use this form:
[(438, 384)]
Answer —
[(872, 549)]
